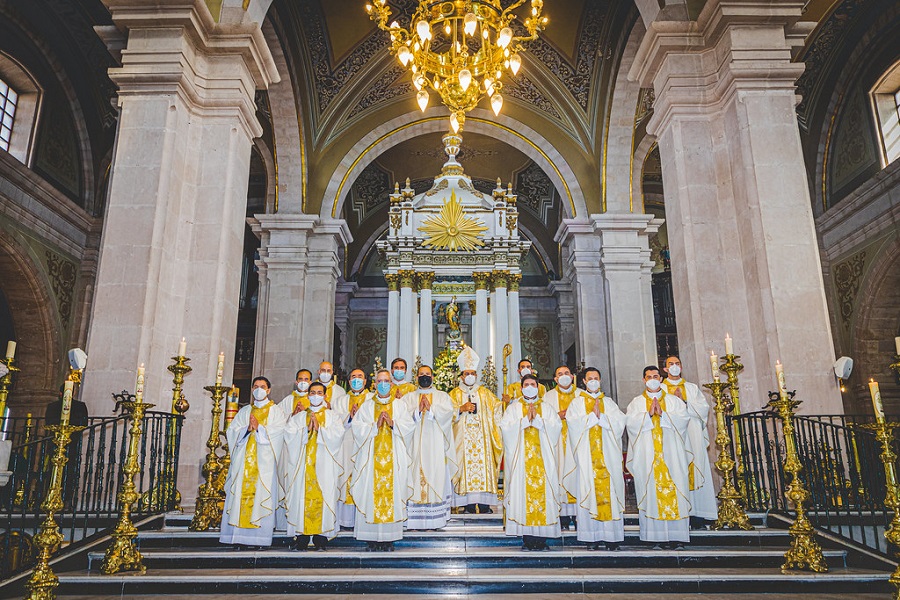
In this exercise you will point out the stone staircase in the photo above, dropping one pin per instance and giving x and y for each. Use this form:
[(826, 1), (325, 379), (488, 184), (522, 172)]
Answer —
[(470, 557)]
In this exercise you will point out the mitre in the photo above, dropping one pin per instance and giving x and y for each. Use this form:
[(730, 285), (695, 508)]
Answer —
[(467, 360)]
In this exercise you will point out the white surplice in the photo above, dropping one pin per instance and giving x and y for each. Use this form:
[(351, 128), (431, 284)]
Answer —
[(560, 401), (347, 512)]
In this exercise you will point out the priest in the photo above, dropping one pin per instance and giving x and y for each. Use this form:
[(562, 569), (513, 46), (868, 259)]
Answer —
[(398, 377), (700, 482), (559, 398), (350, 406), (380, 484), (476, 435), (334, 392), (298, 395), (658, 459), (252, 488), (596, 425), (432, 453), (312, 471), (531, 429), (513, 391)]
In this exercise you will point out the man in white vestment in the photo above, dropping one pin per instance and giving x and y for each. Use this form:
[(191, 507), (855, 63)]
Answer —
[(334, 393), (311, 471), (596, 425), (703, 492), (298, 396), (432, 454), (513, 390), (398, 377), (658, 459), (252, 488), (350, 406), (531, 430), (380, 483), (476, 435), (559, 398)]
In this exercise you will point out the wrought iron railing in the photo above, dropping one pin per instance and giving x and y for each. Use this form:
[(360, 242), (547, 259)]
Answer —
[(91, 480), (841, 470)]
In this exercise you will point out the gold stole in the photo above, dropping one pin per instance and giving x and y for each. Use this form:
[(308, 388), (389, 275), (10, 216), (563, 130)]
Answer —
[(601, 473), (251, 471), (535, 475), (328, 388), (383, 473), (565, 399), (300, 399), (355, 400), (314, 502), (684, 396), (423, 483), (666, 494)]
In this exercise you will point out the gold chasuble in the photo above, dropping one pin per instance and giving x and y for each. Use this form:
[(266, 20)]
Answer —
[(312, 513), (598, 461), (535, 475), (479, 445), (299, 399), (667, 499), (383, 485), (251, 470), (404, 388), (355, 402)]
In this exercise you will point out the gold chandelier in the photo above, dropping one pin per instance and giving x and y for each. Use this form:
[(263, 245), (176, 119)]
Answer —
[(460, 49)]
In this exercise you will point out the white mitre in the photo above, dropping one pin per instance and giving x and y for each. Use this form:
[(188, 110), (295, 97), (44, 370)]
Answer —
[(467, 360)]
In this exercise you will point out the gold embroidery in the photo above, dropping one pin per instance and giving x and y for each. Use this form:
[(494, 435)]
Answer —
[(565, 399), (356, 401), (383, 486), (312, 511), (666, 494), (601, 473), (251, 471), (535, 476)]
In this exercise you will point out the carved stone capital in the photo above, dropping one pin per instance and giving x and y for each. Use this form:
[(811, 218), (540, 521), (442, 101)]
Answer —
[(407, 278), (425, 279), (472, 307), (514, 280), (393, 281), (500, 278), (482, 280)]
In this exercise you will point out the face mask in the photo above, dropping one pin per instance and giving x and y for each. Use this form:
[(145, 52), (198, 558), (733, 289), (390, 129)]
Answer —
[(356, 384), (524, 372), (653, 385), (383, 387), (425, 381), (593, 385), (259, 394), (316, 400), (399, 375), (675, 371), (530, 393), (469, 380), (565, 381), (302, 386), (324, 377)]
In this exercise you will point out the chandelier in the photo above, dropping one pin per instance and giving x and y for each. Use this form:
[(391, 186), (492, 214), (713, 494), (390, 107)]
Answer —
[(460, 49)]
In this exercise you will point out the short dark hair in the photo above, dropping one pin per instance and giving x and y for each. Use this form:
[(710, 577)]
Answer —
[(649, 368), (591, 370), (398, 359), (360, 369), (261, 378), (429, 367), (307, 371), (532, 377), (317, 384), (524, 360), (556, 370)]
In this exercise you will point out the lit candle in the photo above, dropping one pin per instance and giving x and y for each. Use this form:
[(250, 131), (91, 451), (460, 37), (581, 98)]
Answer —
[(220, 368), (182, 348), (876, 400), (714, 363), (897, 344), (729, 346), (66, 403), (779, 374), (11, 349), (139, 385)]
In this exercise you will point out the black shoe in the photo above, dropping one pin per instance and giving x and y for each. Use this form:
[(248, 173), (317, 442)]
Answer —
[(371, 546), (485, 509), (301, 543), (677, 546), (613, 546), (470, 509), (543, 547), (320, 541), (388, 546)]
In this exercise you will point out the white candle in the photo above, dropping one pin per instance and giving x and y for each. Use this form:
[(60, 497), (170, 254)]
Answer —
[(714, 363), (876, 400), (729, 346), (182, 348), (66, 403), (11, 349), (897, 344), (779, 374), (139, 385), (220, 368)]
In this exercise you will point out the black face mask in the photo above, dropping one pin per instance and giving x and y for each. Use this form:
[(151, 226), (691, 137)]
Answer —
[(425, 381)]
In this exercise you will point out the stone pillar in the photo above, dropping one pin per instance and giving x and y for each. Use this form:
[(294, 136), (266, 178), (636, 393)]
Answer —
[(407, 350), (742, 239), (299, 265), (393, 324), (426, 324), (501, 316), (170, 254), (515, 326), (481, 325)]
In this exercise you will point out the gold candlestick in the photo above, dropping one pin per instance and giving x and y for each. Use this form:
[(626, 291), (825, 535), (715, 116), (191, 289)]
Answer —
[(895, 366), (19, 497), (5, 382), (122, 555), (231, 411), (207, 513), (731, 511), (804, 552), (732, 367), (180, 405), (884, 433), (507, 351), (43, 580)]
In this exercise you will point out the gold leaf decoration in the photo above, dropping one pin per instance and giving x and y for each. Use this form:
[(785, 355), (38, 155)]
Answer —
[(451, 229)]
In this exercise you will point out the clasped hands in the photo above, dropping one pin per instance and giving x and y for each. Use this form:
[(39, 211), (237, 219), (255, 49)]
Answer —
[(384, 419), (655, 409)]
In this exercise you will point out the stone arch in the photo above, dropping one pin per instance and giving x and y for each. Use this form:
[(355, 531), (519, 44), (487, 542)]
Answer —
[(641, 152), (412, 124), (268, 161)]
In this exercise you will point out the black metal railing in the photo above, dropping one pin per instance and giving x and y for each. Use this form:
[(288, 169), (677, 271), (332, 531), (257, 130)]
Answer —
[(841, 469), (90, 483)]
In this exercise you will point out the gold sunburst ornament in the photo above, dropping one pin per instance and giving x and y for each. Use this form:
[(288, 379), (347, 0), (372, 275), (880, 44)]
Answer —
[(451, 229)]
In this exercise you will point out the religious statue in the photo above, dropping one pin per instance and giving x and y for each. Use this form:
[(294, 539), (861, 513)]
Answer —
[(452, 315)]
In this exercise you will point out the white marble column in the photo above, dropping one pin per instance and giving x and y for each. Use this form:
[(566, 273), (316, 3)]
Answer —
[(407, 350), (501, 318), (174, 227), (393, 323), (481, 336), (743, 244), (515, 325), (426, 323)]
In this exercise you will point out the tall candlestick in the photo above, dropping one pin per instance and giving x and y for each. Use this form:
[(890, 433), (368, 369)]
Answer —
[(714, 363), (220, 368), (729, 345), (11, 349), (182, 348), (231, 406), (139, 385), (779, 374), (66, 411), (876, 400), (897, 344)]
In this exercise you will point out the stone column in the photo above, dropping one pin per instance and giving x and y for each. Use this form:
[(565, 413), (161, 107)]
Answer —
[(515, 326), (172, 237), (742, 239), (426, 324), (501, 316), (393, 324), (407, 350), (481, 334)]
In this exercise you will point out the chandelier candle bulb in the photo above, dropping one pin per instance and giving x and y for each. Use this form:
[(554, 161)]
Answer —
[(11, 349), (470, 23), (182, 348), (876, 400), (515, 62), (497, 103), (465, 79), (729, 344), (714, 363)]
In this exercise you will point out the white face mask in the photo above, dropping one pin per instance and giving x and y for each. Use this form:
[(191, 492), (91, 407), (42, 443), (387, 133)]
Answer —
[(302, 386), (530, 393), (565, 381), (325, 377), (593, 385), (525, 371), (259, 394), (469, 380), (674, 371), (653, 385), (316, 400)]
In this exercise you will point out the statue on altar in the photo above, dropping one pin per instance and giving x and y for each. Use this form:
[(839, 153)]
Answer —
[(452, 314)]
